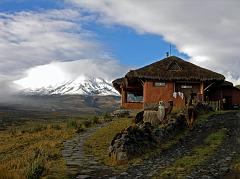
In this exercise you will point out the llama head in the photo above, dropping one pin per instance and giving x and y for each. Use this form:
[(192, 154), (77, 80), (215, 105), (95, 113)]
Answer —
[(161, 103)]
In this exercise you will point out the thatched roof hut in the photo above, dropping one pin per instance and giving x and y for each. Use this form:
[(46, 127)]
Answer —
[(174, 68), (161, 80)]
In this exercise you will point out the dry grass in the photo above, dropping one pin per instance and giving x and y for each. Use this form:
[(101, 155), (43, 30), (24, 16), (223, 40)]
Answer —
[(237, 165), (99, 142), (20, 148), (32, 149)]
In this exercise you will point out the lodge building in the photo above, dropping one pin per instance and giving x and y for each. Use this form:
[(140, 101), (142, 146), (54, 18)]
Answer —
[(173, 79)]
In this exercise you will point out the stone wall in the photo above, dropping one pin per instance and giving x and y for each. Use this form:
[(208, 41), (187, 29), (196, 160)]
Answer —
[(136, 140)]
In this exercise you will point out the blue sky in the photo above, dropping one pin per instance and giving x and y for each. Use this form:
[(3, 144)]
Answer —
[(130, 47), (29, 5)]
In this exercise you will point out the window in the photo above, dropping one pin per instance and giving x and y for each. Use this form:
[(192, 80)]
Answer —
[(134, 97), (186, 86), (159, 84)]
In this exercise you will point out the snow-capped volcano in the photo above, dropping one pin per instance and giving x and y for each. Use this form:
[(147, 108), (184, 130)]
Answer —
[(81, 85)]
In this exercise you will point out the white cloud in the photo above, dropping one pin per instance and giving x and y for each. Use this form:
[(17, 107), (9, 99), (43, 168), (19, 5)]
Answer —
[(208, 31), (28, 39), (56, 73), (47, 46)]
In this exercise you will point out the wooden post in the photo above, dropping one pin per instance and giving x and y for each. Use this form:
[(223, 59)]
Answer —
[(202, 91), (123, 97)]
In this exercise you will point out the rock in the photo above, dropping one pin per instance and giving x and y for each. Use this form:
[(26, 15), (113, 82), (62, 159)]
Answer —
[(228, 158), (114, 177), (124, 173), (224, 169), (122, 156), (87, 171), (139, 117), (83, 177), (121, 113), (135, 140)]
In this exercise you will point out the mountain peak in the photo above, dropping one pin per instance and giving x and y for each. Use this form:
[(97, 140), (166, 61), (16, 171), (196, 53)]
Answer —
[(82, 85)]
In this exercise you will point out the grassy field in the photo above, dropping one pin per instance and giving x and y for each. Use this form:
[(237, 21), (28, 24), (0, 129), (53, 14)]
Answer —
[(33, 151), (32, 148)]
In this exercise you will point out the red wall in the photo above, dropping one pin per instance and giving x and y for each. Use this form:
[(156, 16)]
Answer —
[(234, 93), (235, 96), (153, 94), (132, 105)]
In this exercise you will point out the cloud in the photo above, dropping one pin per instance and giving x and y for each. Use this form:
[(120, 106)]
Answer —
[(56, 73), (208, 31), (29, 39), (8, 90), (47, 41)]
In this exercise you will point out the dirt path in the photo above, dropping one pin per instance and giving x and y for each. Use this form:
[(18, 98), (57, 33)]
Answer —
[(217, 165)]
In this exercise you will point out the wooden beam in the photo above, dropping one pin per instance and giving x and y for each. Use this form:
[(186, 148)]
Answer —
[(123, 97), (201, 88)]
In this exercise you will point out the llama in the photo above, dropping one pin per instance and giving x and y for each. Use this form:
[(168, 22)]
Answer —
[(161, 112)]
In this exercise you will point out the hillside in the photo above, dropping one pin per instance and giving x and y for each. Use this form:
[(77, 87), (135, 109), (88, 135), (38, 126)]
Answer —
[(69, 104)]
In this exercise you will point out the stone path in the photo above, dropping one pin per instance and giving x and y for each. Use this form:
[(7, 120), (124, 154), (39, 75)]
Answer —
[(79, 164), (219, 164), (85, 166)]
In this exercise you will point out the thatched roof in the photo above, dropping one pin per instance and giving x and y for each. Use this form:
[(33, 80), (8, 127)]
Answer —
[(225, 84), (117, 84), (174, 68), (168, 69)]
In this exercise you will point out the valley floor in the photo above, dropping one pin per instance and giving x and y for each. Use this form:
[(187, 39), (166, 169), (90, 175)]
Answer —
[(211, 150)]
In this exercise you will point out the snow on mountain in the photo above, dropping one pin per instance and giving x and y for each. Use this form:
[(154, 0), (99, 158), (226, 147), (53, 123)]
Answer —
[(81, 85)]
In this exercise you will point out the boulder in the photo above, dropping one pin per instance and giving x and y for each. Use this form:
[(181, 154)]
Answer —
[(120, 113)]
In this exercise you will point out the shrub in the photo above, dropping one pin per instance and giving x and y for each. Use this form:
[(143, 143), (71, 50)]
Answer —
[(96, 120), (72, 124), (13, 131), (38, 152), (87, 123), (37, 128), (56, 127), (176, 110), (80, 129), (35, 170), (106, 115)]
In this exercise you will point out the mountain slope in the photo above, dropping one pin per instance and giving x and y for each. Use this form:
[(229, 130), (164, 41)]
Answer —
[(81, 86)]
